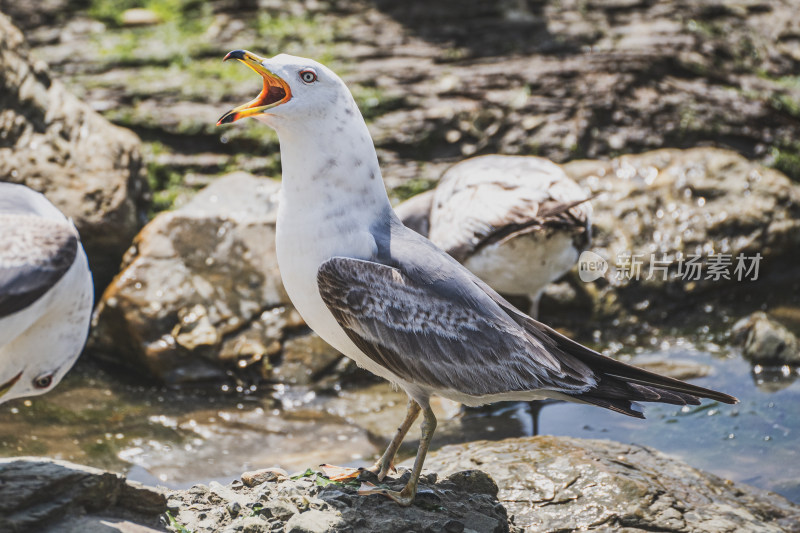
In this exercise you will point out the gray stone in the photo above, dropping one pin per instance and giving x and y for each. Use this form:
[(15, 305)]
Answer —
[(56, 144), (565, 484), (281, 509), (313, 521), (200, 291), (670, 204), (314, 504), (265, 475), (306, 359), (765, 341), (51, 495)]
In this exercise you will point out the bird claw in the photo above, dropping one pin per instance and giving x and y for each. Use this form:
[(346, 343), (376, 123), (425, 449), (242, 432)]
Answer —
[(401, 498)]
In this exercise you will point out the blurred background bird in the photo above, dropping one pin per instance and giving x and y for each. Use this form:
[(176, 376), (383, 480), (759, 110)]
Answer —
[(46, 293), (517, 222)]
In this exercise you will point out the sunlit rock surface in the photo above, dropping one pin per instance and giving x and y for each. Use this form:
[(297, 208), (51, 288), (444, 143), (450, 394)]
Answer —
[(553, 484), (462, 502), (657, 211), (57, 145), (200, 291), (765, 341)]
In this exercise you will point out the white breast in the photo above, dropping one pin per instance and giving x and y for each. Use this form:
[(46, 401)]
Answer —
[(303, 243)]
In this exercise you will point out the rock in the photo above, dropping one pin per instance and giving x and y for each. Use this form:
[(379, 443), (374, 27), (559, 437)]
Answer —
[(306, 359), (39, 494), (543, 484), (765, 341), (265, 475), (567, 484), (708, 204), (584, 79), (313, 521), (200, 291), (683, 369), (57, 145), (313, 504), (139, 17)]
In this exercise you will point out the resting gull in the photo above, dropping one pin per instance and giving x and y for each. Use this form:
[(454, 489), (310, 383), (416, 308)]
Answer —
[(391, 300), (517, 222), (45, 293)]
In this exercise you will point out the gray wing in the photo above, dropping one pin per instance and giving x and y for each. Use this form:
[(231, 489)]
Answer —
[(490, 198), (419, 313), (34, 254), (428, 334)]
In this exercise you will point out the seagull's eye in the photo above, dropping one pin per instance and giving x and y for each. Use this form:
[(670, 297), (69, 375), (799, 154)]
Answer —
[(308, 76), (43, 381)]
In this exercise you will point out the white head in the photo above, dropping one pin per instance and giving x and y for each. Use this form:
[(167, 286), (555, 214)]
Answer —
[(296, 91), (37, 377), (326, 147)]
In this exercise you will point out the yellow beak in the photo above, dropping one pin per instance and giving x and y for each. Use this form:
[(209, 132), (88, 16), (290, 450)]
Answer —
[(5, 387), (275, 91)]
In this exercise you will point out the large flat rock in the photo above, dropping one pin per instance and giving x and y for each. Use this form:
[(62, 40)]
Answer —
[(543, 484), (554, 484), (40, 494)]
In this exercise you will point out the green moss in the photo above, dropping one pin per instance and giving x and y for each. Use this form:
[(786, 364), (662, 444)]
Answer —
[(786, 103), (413, 188), (180, 528), (787, 160), (110, 11)]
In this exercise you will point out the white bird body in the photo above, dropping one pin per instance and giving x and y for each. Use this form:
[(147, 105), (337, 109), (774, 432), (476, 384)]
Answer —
[(325, 210), (46, 304)]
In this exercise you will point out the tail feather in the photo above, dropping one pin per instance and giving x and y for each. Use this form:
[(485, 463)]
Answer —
[(620, 385)]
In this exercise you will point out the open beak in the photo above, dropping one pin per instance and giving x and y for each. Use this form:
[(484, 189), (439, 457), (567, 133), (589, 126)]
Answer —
[(5, 387), (275, 91)]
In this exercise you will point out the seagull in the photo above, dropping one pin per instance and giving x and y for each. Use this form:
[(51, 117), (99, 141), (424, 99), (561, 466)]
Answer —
[(46, 293), (393, 301), (517, 222)]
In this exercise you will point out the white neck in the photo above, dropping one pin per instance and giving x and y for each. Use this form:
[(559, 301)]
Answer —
[(330, 167)]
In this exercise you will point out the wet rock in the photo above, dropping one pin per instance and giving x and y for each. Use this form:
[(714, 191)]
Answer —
[(313, 504), (765, 341), (306, 359), (566, 484), (266, 475), (658, 212), (683, 369), (55, 144), (200, 291), (39, 494)]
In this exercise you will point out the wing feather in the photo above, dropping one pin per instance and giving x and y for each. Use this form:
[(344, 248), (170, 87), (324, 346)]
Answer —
[(490, 198), (425, 336), (34, 254)]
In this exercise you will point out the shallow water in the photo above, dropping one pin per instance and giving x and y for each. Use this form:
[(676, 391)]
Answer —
[(178, 438)]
